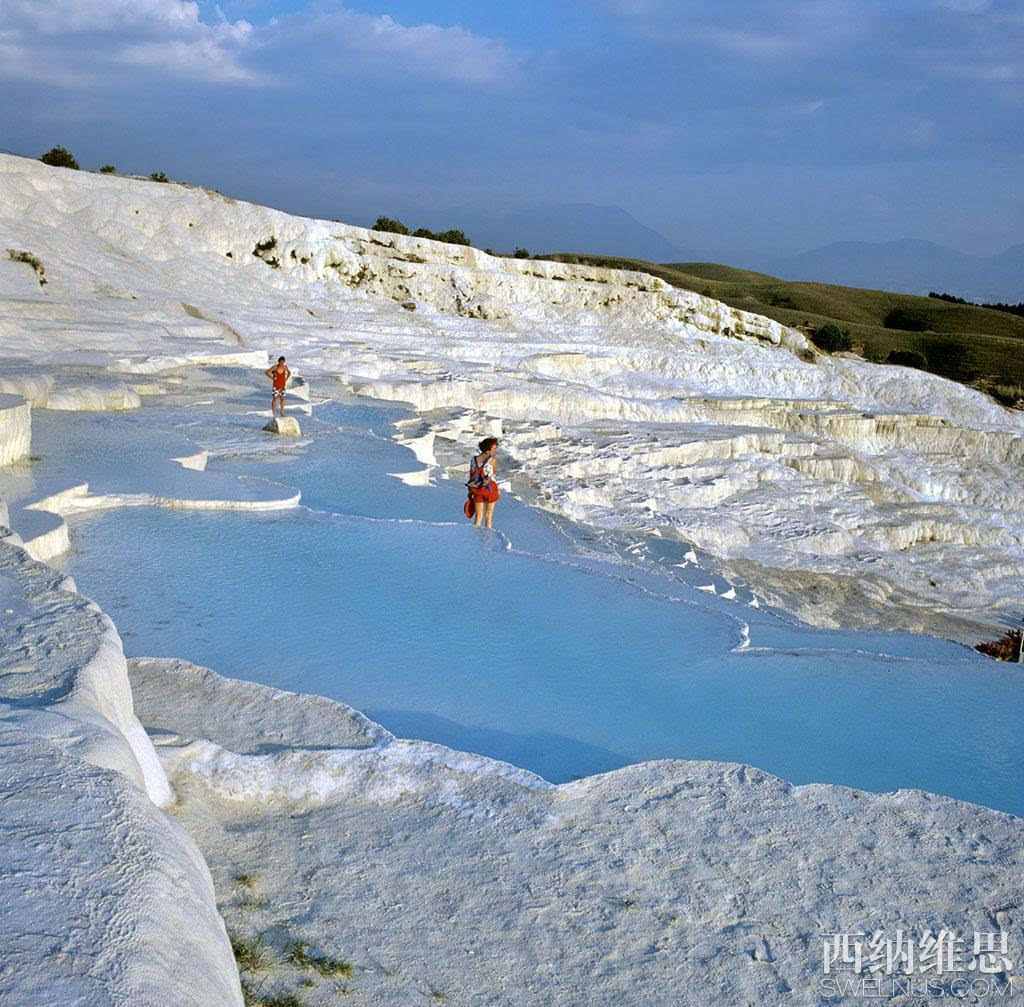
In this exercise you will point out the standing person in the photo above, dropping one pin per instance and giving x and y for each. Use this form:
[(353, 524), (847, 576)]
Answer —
[(280, 373), (483, 489)]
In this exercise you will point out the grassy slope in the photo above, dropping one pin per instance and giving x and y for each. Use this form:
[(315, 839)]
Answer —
[(964, 342)]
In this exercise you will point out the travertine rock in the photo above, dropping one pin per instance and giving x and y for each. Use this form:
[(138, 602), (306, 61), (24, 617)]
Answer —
[(286, 426)]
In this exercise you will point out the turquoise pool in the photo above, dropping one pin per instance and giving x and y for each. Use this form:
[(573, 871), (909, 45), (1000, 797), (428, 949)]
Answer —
[(527, 645)]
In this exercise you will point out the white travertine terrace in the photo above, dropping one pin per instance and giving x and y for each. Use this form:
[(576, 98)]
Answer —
[(630, 405), (123, 889), (15, 428), (666, 882), (121, 892)]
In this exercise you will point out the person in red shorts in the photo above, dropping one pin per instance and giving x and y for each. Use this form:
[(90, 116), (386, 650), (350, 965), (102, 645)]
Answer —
[(280, 373), (483, 489)]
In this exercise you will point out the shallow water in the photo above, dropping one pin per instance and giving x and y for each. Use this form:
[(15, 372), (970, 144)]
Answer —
[(514, 644)]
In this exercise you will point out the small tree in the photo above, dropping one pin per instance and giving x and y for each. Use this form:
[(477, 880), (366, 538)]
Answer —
[(453, 237), (906, 319), (107, 169), (158, 176), (59, 157), (390, 225), (832, 339), (520, 253)]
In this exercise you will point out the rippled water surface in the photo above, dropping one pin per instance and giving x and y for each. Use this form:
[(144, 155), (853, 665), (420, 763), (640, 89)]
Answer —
[(517, 645)]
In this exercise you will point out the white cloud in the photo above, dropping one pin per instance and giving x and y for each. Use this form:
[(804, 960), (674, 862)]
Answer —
[(987, 47), (22, 62), (92, 39), (377, 43), (59, 17), (83, 37), (198, 59)]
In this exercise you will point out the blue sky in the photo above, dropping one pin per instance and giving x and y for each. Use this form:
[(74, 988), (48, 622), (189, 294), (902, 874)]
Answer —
[(729, 127)]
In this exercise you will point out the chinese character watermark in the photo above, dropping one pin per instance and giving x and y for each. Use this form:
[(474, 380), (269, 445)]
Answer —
[(934, 964)]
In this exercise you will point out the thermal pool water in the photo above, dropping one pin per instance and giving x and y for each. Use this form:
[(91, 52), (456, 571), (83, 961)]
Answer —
[(533, 643)]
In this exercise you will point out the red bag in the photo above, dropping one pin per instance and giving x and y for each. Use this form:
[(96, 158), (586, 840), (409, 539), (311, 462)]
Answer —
[(469, 508)]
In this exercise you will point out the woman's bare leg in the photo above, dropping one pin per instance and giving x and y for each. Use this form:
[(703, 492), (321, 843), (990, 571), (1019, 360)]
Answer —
[(478, 512), (490, 512)]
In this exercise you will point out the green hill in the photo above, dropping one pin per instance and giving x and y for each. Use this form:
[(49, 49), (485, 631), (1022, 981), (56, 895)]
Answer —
[(716, 271), (974, 345)]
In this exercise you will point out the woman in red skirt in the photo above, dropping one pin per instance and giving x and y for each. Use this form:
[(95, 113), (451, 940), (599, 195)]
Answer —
[(483, 490)]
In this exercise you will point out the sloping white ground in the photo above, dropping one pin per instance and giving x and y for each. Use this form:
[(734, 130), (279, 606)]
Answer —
[(104, 899), (445, 877), (898, 496)]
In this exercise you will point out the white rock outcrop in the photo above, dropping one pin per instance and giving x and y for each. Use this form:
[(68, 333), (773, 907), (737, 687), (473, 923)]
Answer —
[(15, 429), (44, 534)]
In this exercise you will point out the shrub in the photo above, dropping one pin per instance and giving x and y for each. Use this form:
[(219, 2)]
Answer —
[(907, 358), (298, 954), (454, 237), (520, 253), (1011, 396), (390, 225), (158, 176), (832, 339), (949, 358), (107, 169), (59, 157), (1006, 648), (906, 319), (20, 255), (250, 955)]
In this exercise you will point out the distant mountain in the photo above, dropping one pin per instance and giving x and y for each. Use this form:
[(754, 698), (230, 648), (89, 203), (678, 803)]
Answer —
[(570, 227), (909, 266)]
